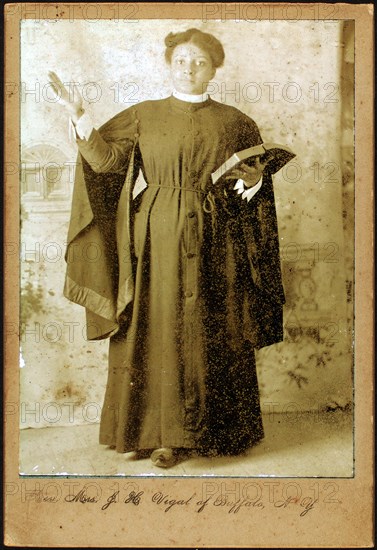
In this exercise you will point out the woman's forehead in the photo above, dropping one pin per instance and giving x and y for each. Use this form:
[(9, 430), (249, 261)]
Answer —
[(188, 49)]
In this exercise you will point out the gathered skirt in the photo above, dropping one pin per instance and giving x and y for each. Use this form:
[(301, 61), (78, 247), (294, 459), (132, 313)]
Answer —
[(181, 374)]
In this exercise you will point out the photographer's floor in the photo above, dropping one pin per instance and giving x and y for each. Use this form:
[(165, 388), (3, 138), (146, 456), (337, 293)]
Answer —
[(308, 445)]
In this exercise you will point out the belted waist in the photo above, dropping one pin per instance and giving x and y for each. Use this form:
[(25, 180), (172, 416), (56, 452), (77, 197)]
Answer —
[(179, 187), (208, 203)]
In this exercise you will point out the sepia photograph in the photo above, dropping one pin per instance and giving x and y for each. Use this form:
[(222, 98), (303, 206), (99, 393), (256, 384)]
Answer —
[(187, 248), (188, 262)]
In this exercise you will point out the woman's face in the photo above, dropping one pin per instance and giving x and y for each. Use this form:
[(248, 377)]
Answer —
[(191, 69)]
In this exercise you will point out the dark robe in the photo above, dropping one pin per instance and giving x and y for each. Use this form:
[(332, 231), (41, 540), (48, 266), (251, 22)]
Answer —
[(188, 282)]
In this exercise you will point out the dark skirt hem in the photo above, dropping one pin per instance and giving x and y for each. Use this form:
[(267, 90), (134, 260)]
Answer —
[(202, 451)]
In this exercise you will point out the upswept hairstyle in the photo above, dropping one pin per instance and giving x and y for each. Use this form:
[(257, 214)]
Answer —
[(207, 42)]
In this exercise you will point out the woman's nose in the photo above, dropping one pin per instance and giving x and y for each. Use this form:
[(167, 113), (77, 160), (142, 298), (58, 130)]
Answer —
[(190, 67)]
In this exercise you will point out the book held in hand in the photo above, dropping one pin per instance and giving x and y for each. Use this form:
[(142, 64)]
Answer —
[(275, 154)]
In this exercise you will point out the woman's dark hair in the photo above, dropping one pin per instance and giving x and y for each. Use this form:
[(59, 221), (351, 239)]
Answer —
[(203, 40)]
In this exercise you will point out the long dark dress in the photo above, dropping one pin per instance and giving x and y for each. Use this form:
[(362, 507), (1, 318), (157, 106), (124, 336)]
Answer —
[(182, 369)]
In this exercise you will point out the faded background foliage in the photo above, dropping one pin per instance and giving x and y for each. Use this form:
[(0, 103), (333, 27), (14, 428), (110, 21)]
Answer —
[(295, 79)]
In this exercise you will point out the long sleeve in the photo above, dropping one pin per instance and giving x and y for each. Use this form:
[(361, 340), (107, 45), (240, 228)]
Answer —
[(250, 136), (83, 127), (103, 155)]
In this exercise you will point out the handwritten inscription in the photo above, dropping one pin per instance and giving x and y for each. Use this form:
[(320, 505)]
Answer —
[(307, 503), (90, 495), (133, 497), (167, 503), (235, 506), (81, 496)]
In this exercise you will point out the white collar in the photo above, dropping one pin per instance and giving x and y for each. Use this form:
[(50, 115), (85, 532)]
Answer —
[(191, 98)]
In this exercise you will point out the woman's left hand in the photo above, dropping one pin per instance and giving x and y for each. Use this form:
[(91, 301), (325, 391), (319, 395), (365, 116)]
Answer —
[(249, 174)]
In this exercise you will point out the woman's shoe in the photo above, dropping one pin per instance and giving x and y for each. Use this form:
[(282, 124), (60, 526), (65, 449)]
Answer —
[(164, 457), (167, 457)]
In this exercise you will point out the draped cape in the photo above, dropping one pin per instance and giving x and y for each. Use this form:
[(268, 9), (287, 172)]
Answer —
[(99, 274), (100, 256)]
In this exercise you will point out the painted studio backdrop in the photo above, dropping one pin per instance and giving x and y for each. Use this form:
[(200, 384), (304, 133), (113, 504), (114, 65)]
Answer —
[(295, 79)]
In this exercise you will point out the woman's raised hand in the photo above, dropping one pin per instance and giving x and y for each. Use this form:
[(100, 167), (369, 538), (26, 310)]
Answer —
[(71, 101)]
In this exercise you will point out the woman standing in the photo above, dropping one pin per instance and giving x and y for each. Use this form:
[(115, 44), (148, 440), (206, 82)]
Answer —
[(190, 282)]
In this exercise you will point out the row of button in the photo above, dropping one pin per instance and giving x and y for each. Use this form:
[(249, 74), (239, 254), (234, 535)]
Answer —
[(189, 255)]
